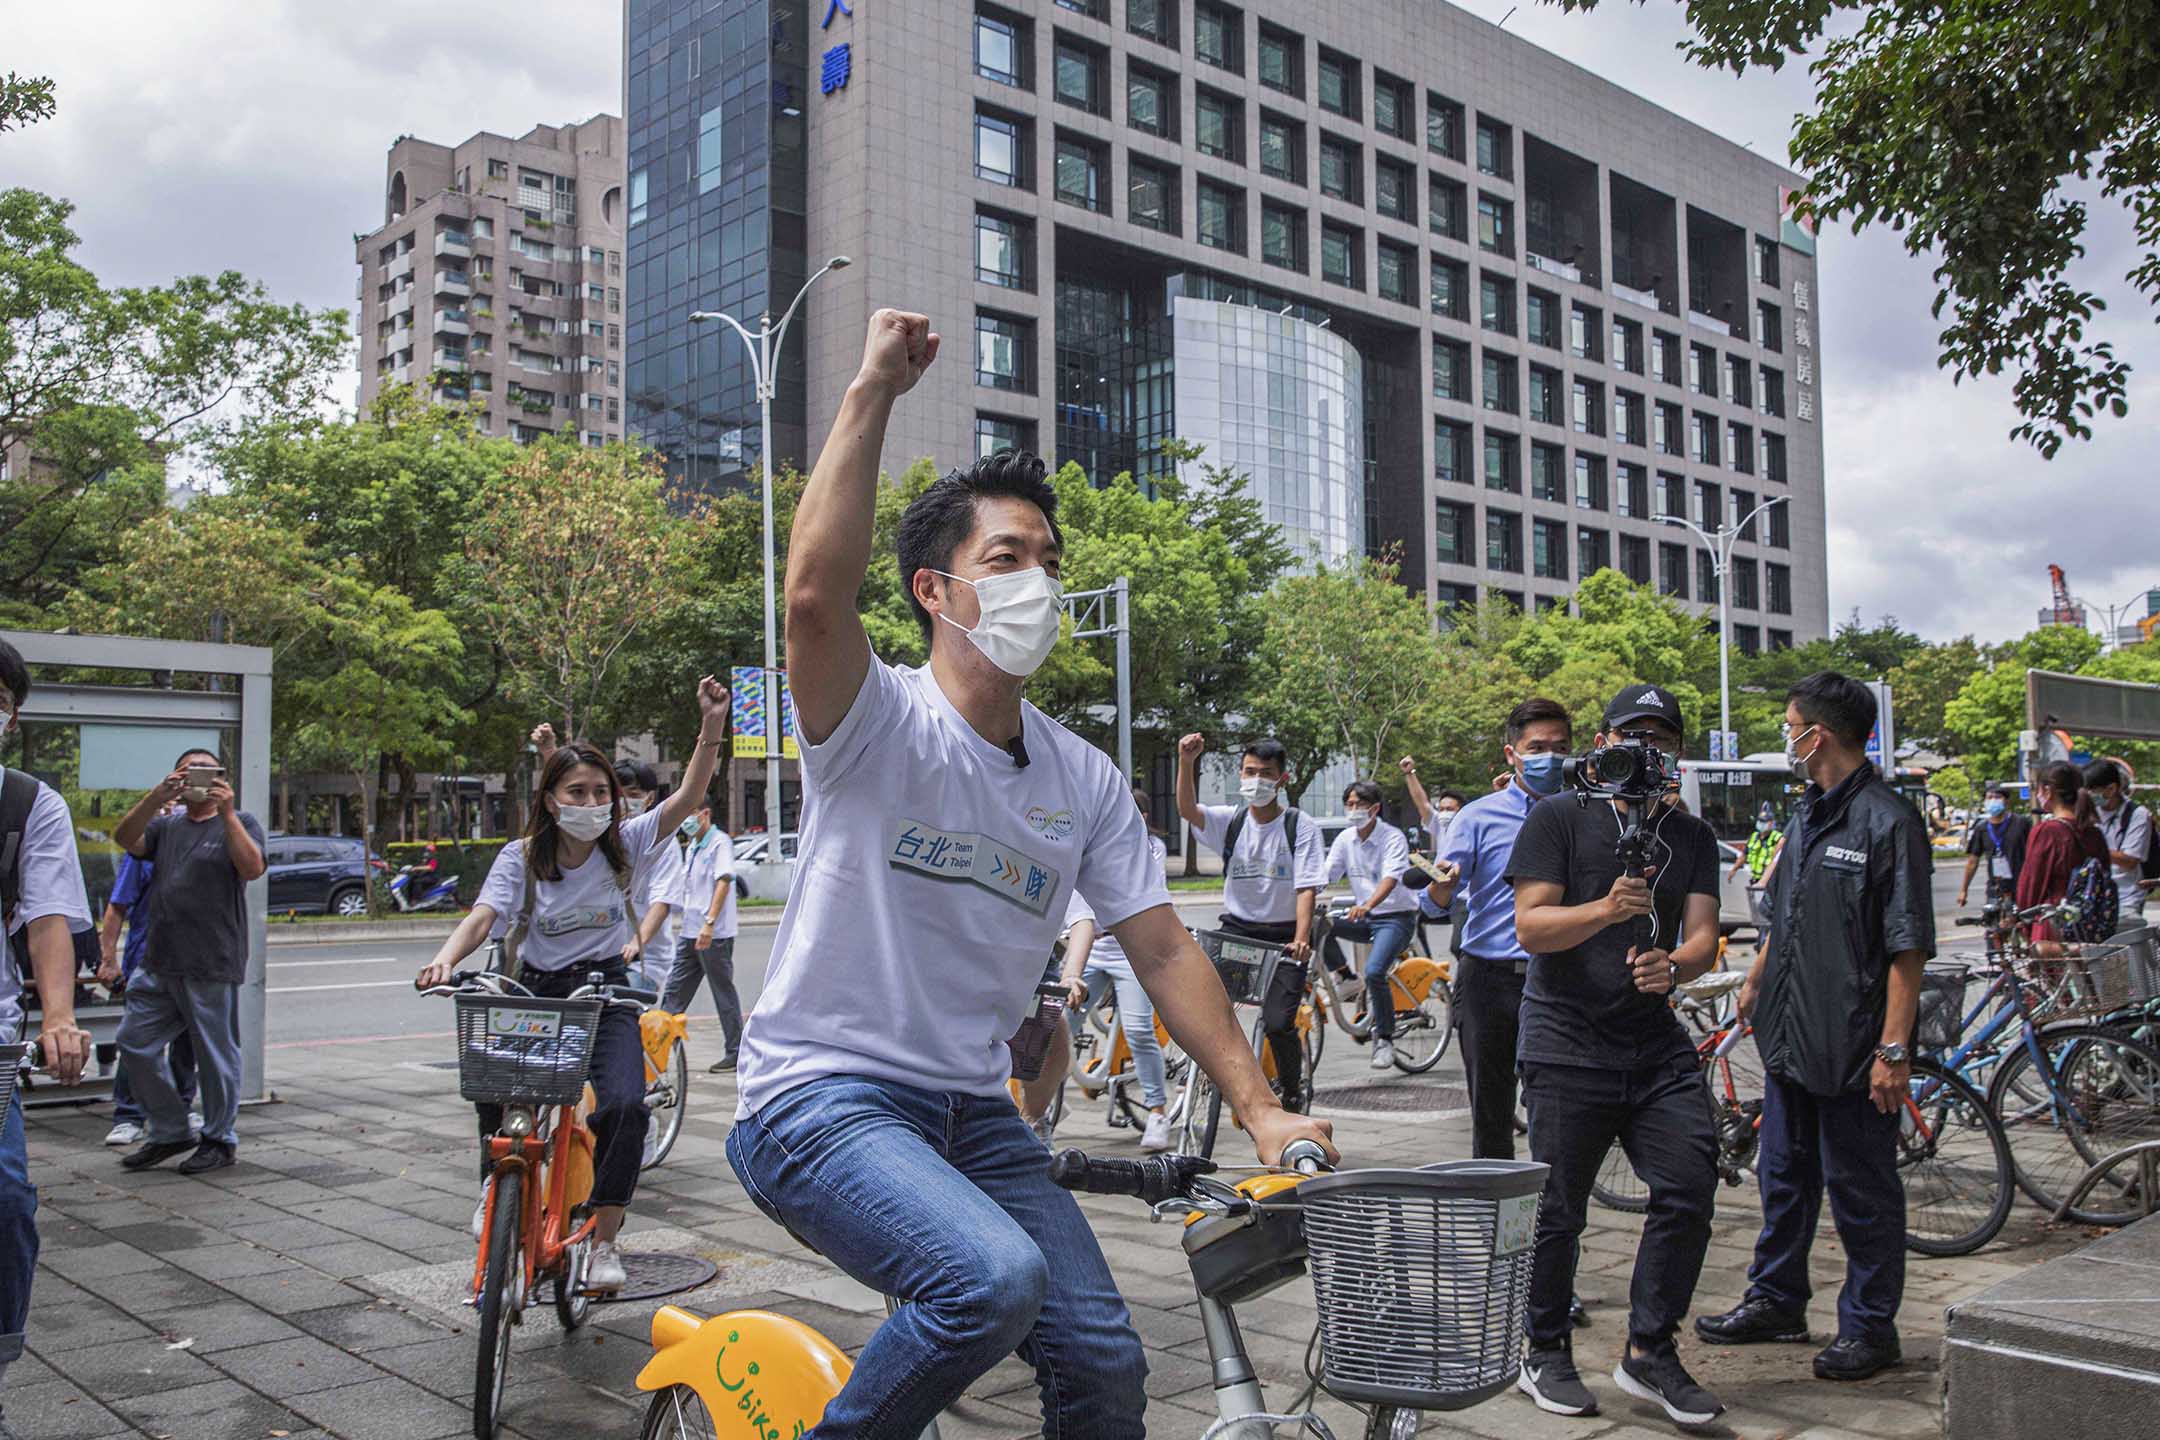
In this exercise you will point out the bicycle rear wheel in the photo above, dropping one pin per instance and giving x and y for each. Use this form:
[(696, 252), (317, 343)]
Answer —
[(498, 1302), (669, 1095), (1422, 1034), (677, 1413), (1955, 1162), (2106, 1094), (1617, 1186)]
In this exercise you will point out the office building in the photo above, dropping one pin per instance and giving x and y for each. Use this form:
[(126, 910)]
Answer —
[(1429, 285), (497, 276)]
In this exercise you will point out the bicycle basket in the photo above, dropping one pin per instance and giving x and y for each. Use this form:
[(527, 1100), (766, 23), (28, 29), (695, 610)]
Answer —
[(522, 1050), (2100, 980), (1422, 1278), (11, 1061), (1942, 1007), (1246, 966)]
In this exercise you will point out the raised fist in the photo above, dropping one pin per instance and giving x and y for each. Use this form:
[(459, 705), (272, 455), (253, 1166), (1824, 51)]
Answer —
[(1190, 747), (898, 349)]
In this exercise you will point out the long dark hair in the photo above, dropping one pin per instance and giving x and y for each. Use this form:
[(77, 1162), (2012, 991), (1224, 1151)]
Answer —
[(544, 838), (2066, 786)]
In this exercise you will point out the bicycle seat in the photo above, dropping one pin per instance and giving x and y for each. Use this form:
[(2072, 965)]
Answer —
[(1715, 985)]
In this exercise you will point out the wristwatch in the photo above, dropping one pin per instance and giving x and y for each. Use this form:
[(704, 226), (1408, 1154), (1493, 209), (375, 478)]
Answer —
[(1892, 1054)]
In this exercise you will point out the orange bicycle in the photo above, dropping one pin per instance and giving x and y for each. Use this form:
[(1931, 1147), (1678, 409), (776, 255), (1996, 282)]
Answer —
[(529, 1056)]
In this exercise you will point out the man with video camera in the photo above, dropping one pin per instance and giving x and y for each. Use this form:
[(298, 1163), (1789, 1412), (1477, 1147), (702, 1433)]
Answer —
[(1616, 901)]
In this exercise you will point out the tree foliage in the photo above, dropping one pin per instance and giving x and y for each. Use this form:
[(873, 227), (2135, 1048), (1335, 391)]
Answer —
[(24, 100)]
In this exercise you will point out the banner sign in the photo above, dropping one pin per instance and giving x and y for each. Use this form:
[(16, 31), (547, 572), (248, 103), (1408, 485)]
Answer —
[(746, 683)]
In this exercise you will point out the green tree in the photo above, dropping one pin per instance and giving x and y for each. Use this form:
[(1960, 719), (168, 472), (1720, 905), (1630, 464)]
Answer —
[(1989, 710), (1955, 784), (24, 100), (1623, 634), (1975, 129), (1923, 686)]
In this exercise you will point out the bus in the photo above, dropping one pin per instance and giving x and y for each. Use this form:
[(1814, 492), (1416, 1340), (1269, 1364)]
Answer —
[(1727, 794)]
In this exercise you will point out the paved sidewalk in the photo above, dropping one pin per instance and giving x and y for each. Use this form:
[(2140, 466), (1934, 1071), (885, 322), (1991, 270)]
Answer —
[(312, 1291)]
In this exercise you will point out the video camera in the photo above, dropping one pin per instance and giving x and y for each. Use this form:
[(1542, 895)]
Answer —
[(1632, 769)]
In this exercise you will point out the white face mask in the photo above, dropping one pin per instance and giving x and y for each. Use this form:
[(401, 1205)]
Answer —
[(1793, 756), (1359, 819), (1442, 820), (1018, 623), (584, 822), (1257, 790), (633, 806)]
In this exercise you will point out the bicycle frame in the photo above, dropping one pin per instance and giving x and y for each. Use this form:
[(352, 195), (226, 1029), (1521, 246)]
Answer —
[(541, 1227)]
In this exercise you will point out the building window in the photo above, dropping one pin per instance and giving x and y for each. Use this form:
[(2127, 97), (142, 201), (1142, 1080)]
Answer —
[(1151, 195), (1664, 358), (1672, 570), (1702, 370), (1499, 387), (1394, 106), (1503, 461), (1773, 457), (1001, 149), (638, 192), (1631, 491), (1002, 45), (1766, 262), (1496, 224), (1282, 60), (1593, 551), (1589, 482), (1627, 414), (1496, 303), (1747, 639), (1395, 274), (1444, 125), (1739, 380), (1341, 167), (1151, 100), (1495, 148), (1153, 20), (1451, 452), (1770, 390), (1744, 596), (1341, 255), (1770, 326), (1452, 534), (1218, 125), (1004, 250), (1338, 88), (1779, 578), (1709, 505), (1635, 558), (1740, 446), (1222, 217), (1703, 439), (1451, 370), (1450, 288), (1543, 324), (1218, 36), (1546, 464), (1627, 346), (1282, 235), (1001, 432), (1545, 395), (1548, 550), (1447, 208), (1671, 494), (1778, 520), (1586, 332), (1395, 189), (1080, 173), (1078, 75), (1781, 640), (1503, 541), (1706, 576), (1093, 9), (1586, 406), (1282, 147), (1004, 352)]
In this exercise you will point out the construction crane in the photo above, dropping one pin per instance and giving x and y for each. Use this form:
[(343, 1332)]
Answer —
[(2065, 610)]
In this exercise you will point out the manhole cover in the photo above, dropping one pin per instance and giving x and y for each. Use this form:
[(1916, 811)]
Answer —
[(1393, 1098), (653, 1274)]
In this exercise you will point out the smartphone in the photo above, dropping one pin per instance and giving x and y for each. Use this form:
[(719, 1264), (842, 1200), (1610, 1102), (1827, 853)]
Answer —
[(199, 780)]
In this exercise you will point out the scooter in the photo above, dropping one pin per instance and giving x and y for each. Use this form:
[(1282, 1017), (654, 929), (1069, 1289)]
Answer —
[(435, 893)]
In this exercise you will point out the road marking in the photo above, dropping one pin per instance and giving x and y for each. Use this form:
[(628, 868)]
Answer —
[(363, 960), (352, 985), (358, 1040)]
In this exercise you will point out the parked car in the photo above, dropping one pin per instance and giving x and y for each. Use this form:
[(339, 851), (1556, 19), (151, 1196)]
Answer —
[(751, 849), (319, 874)]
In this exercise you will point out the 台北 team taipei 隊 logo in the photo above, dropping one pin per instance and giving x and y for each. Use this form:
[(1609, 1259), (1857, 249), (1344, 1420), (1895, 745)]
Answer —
[(1057, 824)]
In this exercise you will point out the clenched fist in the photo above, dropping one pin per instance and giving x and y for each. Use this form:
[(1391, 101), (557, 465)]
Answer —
[(898, 349), (1190, 747)]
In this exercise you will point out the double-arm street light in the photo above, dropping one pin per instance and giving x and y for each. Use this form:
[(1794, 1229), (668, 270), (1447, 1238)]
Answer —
[(764, 344), (1720, 542)]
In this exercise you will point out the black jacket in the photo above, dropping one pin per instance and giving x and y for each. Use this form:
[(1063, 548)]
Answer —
[(1853, 888)]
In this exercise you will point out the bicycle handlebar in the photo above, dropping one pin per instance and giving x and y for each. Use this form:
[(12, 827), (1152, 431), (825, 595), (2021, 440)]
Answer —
[(492, 982), (1155, 1179)]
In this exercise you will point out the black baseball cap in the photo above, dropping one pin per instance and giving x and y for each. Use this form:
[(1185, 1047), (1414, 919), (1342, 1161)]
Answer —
[(1644, 702)]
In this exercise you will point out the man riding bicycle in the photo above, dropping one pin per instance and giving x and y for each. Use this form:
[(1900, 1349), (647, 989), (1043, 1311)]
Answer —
[(945, 825)]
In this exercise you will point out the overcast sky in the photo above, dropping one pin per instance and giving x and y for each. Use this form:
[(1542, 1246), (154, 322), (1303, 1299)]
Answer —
[(250, 135)]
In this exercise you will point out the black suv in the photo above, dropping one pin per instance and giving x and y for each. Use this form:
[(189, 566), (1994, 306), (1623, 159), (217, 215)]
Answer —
[(318, 874)]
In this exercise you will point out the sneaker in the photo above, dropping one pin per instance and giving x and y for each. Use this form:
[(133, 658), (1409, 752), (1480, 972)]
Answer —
[(604, 1273), (194, 1127), (154, 1152), (124, 1132), (1157, 1135), (1045, 1128), (209, 1155), (1383, 1055), (721, 1066), (1754, 1321), (1846, 1358), (1661, 1379), (1549, 1377)]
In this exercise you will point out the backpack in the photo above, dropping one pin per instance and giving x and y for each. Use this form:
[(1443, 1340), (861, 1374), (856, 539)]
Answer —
[(2150, 870), (1237, 828), (18, 793), (2092, 893)]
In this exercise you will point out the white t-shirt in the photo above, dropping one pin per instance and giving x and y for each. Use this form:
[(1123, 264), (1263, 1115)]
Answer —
[(2129, 830), (656, 880), (1261, 881), (1106, 953), (708, 860), (585, 916), (933, 876), (52, 884), (1368, 861)]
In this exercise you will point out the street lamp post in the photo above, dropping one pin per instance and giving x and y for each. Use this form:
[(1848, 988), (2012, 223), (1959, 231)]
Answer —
[(763, 344), (2112, 640), (1719, 543)]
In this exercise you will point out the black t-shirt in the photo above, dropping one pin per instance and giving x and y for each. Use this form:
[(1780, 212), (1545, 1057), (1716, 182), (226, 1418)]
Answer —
[(1580, 1006), (1981, 838), (198, 902)]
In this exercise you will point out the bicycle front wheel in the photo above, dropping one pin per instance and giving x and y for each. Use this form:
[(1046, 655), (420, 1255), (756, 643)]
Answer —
[(668, 1093), (1422, 1033), (1203, 1115), (2104, 1094), (677, 1413), (1954, 1160), (499, 1289)]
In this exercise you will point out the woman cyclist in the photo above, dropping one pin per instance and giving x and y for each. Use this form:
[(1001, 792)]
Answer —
[(584, 859)]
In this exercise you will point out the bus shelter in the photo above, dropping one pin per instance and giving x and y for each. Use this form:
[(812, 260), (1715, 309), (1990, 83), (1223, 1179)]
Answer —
[(106, 716)]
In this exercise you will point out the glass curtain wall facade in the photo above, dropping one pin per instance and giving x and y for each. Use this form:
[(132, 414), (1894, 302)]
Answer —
[(714, 92)]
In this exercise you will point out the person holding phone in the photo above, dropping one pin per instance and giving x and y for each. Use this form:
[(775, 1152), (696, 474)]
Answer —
[(202, 860)]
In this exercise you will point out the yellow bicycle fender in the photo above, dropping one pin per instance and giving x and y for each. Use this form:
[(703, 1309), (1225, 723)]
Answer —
[(762, 1376), (1416, 976), (1257, 1187), (661, 1032)]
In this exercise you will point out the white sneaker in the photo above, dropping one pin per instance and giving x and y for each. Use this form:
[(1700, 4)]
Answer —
[(124, 1132), (604, 1271), (1383, 1055), (194, 1127), (1157, 1135), (479, 1214)]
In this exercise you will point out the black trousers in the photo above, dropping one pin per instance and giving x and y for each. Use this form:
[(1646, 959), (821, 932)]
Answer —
[(1488, 1007), (1660, 1115), (1278, 1010), (1844, 1144), (619, 1118)]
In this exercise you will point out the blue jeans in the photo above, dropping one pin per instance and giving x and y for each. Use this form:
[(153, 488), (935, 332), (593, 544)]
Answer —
[(945, 1203), (1136, 1017), (1388, 936), (182, 1058), (18, 1235)]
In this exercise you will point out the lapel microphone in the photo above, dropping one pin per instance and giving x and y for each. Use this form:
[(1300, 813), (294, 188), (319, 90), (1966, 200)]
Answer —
[(1017, 748)]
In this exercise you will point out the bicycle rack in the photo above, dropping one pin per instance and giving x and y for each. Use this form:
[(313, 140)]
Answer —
[(2147, 1155)]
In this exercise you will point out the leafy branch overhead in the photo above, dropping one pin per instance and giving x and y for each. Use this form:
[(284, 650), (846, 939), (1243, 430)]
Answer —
[(1982, 132)]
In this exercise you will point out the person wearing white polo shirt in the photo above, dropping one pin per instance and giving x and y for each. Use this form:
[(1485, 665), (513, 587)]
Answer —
[(1372, 855), (703, 896)]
